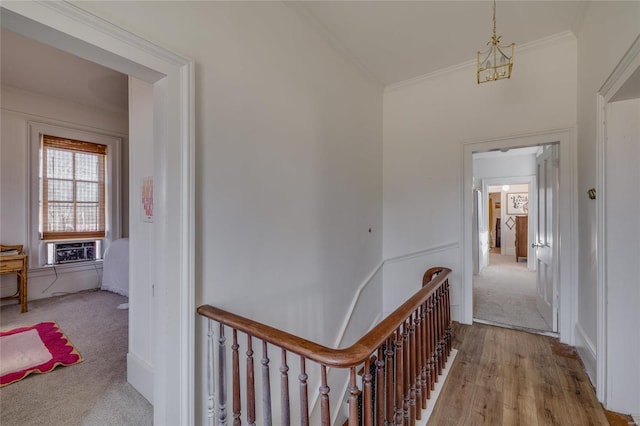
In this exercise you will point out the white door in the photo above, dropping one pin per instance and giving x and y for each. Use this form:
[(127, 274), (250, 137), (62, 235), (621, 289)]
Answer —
[(546, 235), (478, 253)]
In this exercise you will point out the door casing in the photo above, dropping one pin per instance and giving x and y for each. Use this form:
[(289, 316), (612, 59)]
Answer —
[(619, 76), (567, 201)]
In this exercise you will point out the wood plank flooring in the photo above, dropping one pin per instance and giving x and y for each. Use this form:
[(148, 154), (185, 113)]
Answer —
[(508, 377)]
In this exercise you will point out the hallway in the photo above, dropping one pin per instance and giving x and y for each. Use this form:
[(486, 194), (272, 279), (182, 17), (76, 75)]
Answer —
[(505, 293), (510, 377)]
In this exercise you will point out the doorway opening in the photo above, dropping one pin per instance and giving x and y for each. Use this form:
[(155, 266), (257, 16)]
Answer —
[(510, 286), (504, 290), (72, 29)]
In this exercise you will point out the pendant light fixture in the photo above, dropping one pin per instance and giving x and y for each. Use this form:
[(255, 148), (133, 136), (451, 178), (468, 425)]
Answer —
[(496, 62)]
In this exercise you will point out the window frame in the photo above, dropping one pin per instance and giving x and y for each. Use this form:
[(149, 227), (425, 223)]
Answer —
[(75, 149), (38, 246)]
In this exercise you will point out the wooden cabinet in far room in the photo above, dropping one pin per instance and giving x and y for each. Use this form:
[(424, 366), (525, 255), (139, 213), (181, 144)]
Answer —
[(521, 237)]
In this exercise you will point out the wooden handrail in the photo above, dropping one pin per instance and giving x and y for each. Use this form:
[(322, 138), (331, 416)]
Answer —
[(343, 358), (403, 356)]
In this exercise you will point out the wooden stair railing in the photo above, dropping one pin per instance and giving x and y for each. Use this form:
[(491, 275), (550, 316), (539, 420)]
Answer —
[(407, 351)]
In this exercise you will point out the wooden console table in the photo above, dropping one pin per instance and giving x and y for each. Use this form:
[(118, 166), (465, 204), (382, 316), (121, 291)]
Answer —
[(15, 262), (522, 230)]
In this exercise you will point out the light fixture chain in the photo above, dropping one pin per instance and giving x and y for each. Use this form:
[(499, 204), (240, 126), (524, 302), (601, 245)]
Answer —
[(494, 18)]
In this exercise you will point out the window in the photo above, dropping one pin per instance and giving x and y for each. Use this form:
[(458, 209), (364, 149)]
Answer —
[(72, 189), (74, 195)]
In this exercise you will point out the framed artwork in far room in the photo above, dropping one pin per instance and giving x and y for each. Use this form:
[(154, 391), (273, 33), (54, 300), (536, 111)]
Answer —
[(518, 203)]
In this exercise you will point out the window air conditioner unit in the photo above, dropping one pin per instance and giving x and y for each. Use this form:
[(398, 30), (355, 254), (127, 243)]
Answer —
[(74, 252)]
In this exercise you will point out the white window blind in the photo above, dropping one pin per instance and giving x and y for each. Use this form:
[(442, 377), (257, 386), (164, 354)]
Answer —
[(72, 192)]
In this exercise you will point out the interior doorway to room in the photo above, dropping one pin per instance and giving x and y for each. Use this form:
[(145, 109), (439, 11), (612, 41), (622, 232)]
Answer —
[(508, 288), (76, 31)]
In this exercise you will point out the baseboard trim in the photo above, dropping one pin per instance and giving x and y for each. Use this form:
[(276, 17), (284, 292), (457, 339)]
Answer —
[(587, 351), (140, 376)]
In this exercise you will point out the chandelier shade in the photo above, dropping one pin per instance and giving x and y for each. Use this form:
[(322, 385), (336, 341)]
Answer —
[(495, 62)]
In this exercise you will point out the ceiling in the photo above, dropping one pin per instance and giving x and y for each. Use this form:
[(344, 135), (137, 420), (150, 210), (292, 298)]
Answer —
[(400, 40), (392, 40), (36, 67)]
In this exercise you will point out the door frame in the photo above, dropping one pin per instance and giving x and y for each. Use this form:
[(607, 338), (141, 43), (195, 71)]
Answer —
[(567, 227), (625, 68), (72, 29)]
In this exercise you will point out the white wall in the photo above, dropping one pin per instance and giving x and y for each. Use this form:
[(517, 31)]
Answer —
[(508, 166), (425, 123), (140, 357), (606, 34), (288, 161), (18, 108), (623, 251)]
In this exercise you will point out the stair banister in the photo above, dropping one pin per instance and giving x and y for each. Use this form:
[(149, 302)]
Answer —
[(417, 338)]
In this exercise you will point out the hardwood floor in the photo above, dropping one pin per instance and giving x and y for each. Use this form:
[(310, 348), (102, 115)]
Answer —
[(508, 377)]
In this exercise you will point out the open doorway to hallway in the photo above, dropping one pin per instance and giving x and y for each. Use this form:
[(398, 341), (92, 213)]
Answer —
[(508, 288)]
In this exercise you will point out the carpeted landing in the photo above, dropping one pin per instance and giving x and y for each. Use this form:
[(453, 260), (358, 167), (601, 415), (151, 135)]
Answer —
[(94, 392), (505, 293)]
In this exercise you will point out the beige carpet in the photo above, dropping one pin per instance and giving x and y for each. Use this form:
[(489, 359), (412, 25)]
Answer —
[(505, 293), (94, 392)]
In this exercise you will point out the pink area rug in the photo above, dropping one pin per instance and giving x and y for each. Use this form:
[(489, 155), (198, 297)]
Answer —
[(36, 349)]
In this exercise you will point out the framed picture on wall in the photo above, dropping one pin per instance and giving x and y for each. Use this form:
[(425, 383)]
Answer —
[(518, 203)]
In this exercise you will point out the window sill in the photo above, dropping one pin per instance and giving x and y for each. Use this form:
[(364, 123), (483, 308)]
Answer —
[(65, 268)]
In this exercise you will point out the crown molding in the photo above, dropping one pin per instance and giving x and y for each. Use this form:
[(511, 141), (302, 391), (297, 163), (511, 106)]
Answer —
[(305, 14), (533, 45)]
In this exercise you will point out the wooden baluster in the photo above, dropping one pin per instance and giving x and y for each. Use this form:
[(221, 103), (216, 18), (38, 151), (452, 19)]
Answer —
[(413, 413), (304, 398), (434, 340), (449, 336), (426, 392), (443, 307), (284, 391), (399, 417), (222, 379), (367, 397), (210, 375), (324, 398), (380, 388), (406, 373), (434, 316), (439, 328), (430, 357), (266, 386), (419, 358), (389, 369), (236, 379), (436, 337), (251, 385), (353, 398), (444, 327)]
